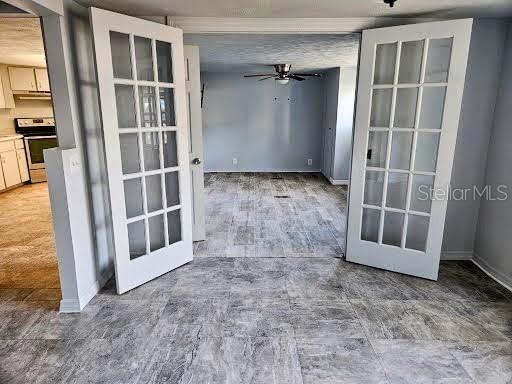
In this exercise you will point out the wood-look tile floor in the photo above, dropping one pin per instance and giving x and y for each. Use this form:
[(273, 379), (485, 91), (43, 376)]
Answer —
[(297, 318), (27, 247)]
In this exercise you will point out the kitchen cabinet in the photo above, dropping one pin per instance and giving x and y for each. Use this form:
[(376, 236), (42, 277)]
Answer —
[(10, 168), (22, 165), (2, 182), (22, 79), (2, 96), (43, 84), (13, 162)]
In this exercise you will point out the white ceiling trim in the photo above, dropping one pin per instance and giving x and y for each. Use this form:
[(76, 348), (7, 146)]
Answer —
[(286, 25)]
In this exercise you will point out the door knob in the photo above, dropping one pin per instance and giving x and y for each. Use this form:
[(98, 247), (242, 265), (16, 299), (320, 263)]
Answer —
[(196, 161)]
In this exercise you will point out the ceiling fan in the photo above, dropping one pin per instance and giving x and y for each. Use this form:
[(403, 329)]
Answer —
[(283, 74)]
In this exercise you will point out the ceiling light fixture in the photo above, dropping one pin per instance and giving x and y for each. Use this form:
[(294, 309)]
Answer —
[(390, 2), (283, 80)]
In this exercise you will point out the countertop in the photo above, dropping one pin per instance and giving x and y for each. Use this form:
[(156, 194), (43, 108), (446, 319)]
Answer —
[(10, 137)]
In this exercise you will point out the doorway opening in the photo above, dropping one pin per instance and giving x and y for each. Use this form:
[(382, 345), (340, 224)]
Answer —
[(28, 260), (277, 154)]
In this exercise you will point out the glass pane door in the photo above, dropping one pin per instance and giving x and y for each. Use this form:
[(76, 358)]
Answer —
[(147, 137), (411, 80), (403, 140), (141, 83)]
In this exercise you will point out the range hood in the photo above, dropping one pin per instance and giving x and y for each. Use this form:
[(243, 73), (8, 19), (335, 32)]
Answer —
[(32, 95)]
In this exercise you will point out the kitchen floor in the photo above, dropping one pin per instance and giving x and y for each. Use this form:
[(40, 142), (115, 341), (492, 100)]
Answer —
[(288, 318), (28, 261)]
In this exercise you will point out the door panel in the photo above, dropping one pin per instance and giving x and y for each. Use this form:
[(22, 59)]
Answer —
[(193, 83), (10, 168), (143, 101), (22, 164), (411, 80)]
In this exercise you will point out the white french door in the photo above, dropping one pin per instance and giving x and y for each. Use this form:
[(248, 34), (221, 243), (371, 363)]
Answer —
[(141, 81), (411, 80), (195, 132)]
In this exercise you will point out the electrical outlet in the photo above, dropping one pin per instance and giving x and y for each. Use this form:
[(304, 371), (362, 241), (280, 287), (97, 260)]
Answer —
[(310, 161), (235, 161)]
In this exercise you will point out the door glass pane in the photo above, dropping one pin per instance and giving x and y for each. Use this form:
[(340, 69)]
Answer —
[(393, 224), (125, 105), (438, 60), (405, 110), (154, 192), (381, 107), (421, 193), (130, 161), (156, 232), (151, 149), (147, 104), (410, 62), (144, 58), (133, 197), (167, 107), (370, 224), (172, 189), (174, 226), (432, 107), (377, 149), (164, 60), (137, 239), (397, 190), (385, 58), (373, 185), (121, 57), (170, 149), (426, 152), (400, 157), (417, 232)]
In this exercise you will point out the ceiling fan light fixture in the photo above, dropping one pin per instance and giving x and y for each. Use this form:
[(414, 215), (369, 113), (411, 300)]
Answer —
[(283, 80)]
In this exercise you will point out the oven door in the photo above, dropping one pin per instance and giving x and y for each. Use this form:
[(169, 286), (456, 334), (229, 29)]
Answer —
[(34, 146)]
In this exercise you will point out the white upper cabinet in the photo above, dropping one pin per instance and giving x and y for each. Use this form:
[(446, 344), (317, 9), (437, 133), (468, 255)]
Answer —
[(43, 84), (22, 79)]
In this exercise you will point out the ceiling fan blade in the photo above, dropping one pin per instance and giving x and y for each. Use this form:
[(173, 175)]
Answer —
[(265, 78), (308, 74), (261, 75), (295, 77)]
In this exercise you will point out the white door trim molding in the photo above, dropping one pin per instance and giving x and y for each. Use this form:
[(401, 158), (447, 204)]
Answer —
[(286, 25), (338, 182)]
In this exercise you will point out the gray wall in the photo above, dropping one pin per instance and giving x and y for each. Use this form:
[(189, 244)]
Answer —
[(76, 170), (482, 82), (331, 93), (493, 245), (265, 125)]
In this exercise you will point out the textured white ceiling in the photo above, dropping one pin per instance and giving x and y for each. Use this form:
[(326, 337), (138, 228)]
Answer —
[(21, 41), (307, 8), (253, 53)]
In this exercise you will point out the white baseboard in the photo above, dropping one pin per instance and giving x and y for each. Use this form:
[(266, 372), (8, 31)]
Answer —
[(264, 171), (493, 273), (338, 182), (457, 255), (76, 305)]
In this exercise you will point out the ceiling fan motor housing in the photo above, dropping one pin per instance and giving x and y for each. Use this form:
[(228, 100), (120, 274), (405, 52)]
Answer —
[(390, 2)]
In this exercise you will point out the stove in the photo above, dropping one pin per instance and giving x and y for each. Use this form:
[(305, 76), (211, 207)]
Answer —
[(39, 134)]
